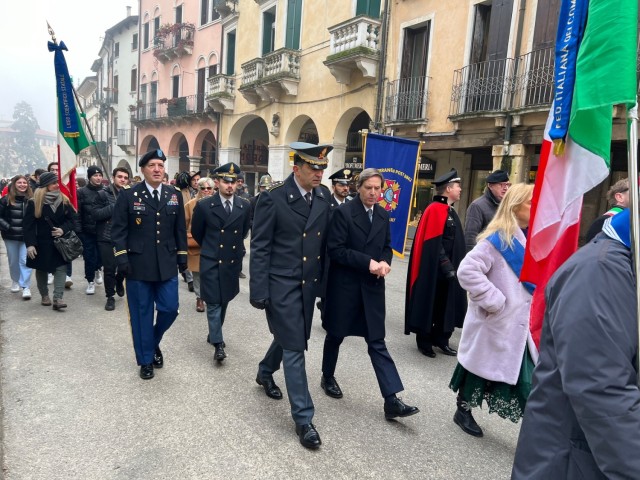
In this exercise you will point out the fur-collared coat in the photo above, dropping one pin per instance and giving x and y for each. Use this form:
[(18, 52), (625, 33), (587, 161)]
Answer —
[(496, 327)]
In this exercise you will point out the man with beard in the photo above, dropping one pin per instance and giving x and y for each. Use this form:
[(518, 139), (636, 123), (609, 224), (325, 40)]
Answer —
[(220, 224), (103, 211), (340, 181), (287, 253), (435, 302)]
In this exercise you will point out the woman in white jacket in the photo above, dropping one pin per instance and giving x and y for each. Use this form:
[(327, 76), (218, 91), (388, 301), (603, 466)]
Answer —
[(496, 354)]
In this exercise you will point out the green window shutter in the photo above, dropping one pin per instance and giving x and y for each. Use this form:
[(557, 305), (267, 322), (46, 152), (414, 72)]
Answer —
[(294, 17), (267, 26), (370, 8), (231, 53)]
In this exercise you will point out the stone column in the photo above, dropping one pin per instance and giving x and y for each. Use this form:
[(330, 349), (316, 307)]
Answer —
[(172, 165), (336, 159), (229, 154), (279, 167), (194, 163), (514, 159)]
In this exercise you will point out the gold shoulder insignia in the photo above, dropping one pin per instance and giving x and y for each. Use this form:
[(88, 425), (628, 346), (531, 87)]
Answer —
[(274, 186), (126, 186)]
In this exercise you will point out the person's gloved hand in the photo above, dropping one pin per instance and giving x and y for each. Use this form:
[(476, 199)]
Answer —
[(182, 267), (124, 269), (260, 304), (32, 252)]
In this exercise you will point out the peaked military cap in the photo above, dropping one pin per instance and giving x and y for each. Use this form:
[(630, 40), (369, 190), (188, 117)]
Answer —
[(314, 155), (449, 177), (344, 175), (498, 176), (227, 172), (152, 155)]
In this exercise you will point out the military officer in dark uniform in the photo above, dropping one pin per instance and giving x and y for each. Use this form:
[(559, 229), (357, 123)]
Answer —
[(150, 240), (340, 181), (220, 224), (287, 255), (435, 302)]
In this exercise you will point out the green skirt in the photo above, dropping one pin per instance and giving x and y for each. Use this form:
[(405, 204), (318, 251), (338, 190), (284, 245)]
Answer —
[(506, 400)]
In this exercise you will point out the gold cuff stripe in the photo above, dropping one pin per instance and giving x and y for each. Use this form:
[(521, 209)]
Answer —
[(120, 252)]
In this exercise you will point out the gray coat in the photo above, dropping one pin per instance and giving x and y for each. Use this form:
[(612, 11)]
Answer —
[(479, 214), (287, 258), (582, 419)]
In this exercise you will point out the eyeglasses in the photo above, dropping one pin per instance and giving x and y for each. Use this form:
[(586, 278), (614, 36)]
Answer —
[(505, 184), (206, 188)]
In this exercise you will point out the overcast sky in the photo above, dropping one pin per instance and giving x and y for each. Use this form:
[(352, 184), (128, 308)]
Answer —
[(26, 71)]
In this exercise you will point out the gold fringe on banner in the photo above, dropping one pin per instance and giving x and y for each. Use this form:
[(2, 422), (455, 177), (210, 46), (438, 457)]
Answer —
[(558, 147)]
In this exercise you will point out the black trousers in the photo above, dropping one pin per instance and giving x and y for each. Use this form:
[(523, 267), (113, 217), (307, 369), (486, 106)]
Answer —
[(383, 366), (109, 269)]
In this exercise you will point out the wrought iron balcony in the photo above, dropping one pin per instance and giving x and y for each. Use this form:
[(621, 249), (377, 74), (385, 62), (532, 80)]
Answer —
[(222, 94), (173, 41), (225, 7), (171, 110), (354, 46), (270, 77), (407, 100), (533, 82)]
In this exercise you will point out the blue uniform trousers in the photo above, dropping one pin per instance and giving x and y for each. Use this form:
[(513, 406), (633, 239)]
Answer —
[(295, 377), (215, 317), (386, 371), (141, 297)]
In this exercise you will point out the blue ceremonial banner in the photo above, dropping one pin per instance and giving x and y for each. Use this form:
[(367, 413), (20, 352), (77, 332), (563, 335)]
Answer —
[(397, 159), (66, 103), (571, 24)]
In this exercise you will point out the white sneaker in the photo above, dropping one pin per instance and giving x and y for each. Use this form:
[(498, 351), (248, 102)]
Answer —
[(98, 279), (68, 282), (15, 287), (49, 278), (91, 288), (26, 293)]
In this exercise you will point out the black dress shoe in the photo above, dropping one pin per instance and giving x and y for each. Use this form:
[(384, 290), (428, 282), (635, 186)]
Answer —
[(158, 359), (270, 388), (447, 350), (330, 387), (397, 408), (428, 352), (119, 288), (111, 304), (242, 275), (308, 435), (464, 419), (190, 286), (219, 354), (146, 372)]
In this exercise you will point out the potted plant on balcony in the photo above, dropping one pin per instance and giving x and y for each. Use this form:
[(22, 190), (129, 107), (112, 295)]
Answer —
[(163, 100)]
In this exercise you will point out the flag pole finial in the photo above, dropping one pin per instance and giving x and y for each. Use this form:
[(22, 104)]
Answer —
[(52, 33)]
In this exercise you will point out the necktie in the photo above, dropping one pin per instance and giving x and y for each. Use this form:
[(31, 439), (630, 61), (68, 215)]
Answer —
[(307, 197), (227, 207), (370, 213), (155, 197)]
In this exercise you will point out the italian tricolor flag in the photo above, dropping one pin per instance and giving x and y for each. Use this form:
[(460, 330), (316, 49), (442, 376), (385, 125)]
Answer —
[(68, 150), (605, 75)]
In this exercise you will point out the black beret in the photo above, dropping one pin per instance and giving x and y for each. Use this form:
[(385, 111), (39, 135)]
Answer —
[(151, 155), (498, 176), (449, 177)]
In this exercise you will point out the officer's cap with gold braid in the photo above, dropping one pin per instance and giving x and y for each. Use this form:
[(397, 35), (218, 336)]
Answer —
[(344, 176), (314, 155), (227, 172)]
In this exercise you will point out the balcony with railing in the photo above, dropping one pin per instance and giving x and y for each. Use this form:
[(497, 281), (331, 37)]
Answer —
[(354, 46), (172, 110), (173, 41), (513, 85), (406, 100), (226, 7), (125, 139), (272, 76), (222, 93)]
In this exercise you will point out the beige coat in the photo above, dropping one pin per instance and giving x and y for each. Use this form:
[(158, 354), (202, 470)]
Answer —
[(193, 249)]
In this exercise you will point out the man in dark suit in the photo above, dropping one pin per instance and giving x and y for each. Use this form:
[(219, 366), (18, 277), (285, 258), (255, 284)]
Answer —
[(340, 181), (359, 246), (150, 240), (287, 254), (220, 224)]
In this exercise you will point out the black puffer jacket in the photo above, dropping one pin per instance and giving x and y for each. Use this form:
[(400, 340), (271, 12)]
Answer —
[(87, 198), (103, 211), (11, 218)]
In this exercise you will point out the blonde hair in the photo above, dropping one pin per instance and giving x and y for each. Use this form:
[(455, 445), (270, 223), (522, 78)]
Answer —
[(505, 222), (38, 201)]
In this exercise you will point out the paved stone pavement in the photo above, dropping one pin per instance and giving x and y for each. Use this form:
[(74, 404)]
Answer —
[(74, 407)]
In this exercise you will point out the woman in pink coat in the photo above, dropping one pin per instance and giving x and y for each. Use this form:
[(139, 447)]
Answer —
[(496, 354)]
